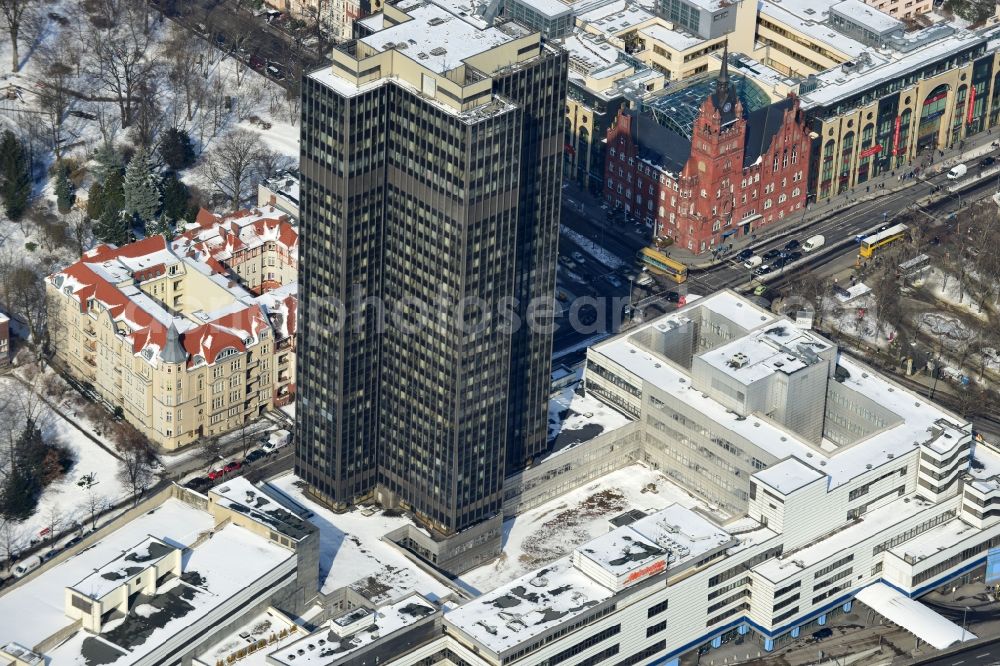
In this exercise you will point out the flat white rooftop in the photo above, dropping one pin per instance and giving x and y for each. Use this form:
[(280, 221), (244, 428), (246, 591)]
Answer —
[(913, 616), (868, 16), (812, 25), (921, 422), (788, 476), (869, 525), (352, 552), (34, 610), (675, 39), (436, 39), (324, 646), (835, 84), (934, 540)]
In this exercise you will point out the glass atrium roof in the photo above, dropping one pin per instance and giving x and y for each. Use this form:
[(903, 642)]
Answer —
[(677, 108)]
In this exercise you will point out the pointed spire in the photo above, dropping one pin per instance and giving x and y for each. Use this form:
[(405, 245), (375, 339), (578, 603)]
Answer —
[(722, 82), (173, 351)]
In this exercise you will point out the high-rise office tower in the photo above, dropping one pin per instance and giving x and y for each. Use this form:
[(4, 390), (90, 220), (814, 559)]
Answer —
[(431, 174)]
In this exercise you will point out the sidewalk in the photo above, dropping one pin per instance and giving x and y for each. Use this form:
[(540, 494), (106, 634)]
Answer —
[(886, 183)]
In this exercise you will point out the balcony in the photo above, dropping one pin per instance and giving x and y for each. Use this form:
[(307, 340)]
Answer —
[(90, 345), (90, 331)]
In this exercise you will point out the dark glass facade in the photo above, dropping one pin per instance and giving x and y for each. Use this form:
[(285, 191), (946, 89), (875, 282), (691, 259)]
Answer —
[(425, 232)]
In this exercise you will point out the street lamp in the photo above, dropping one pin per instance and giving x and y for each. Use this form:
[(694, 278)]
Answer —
[(965, 614)]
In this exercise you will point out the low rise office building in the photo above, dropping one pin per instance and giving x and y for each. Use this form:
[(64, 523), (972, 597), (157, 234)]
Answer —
[(833, 485)]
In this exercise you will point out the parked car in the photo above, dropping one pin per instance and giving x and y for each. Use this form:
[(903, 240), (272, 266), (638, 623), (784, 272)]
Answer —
[(794, 256), (26, 567), (614, 282), (215, 474), (987, 161), (198, 483), (75, 540), (254, 456), (275, 73), (820, 634), (792, 245), (773, 253), (763, 269), (232, 466), (578, 257), (813, 243), (672, 297), (744, 254), (277, 440), (753, 262)]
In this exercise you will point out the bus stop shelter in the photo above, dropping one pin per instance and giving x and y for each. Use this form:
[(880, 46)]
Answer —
[(920, 620)]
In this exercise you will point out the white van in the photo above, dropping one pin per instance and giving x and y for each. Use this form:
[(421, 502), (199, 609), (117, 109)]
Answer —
[(26, 567), (957, 171), (753, 262), (813, 243), (277, 440)]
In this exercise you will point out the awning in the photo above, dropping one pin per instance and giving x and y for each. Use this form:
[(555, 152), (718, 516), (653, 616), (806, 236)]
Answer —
[(924, 623)]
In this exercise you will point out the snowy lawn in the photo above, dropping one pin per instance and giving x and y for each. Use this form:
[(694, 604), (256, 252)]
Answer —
[(353, 554), (593, 249), (554, 529), (64, 498)]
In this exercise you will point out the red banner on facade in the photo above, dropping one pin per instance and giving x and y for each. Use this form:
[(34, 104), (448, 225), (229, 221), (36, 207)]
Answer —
[(868, 152), (895, 136), (972, 103)]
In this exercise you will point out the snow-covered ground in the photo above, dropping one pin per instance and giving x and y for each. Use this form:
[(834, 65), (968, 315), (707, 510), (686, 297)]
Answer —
[(857, 320), (352, 552), (593, 249), (69, 501), (552, 530), (949, 289)]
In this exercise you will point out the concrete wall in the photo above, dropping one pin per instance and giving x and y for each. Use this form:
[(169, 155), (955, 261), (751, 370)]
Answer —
[(569, 469)]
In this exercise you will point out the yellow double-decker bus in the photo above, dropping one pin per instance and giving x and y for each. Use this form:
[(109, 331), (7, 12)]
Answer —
[(663, 265), (872, 243)]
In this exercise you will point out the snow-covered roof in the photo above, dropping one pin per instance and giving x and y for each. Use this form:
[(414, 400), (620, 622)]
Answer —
[(986, 472), (240, 495), (588, 52), (326, 646), (788, 476), (353, 553), (836, 84), (436, 39), (912, 615), (919, 423), (125, 565), (761, 353), (35, 609), (218, 569), (867, 15), (550, 8), (614, 17), (665, 541), (812, 25), (875, 522), (675, 39), (941, 537)]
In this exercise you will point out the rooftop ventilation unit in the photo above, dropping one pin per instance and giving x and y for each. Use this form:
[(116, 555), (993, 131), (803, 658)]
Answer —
[(739, 360), (438, 51)]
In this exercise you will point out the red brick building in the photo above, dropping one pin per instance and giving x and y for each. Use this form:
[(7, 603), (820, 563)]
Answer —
[(735, 174)]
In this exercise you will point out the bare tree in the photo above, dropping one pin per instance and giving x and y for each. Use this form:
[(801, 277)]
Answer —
[(185, 71), (80, 229), (12, 538), (53, 520), (211, 452), (135, 465), (233, 163), (96, 504), (119, 59), (23, 291), (14, 13)]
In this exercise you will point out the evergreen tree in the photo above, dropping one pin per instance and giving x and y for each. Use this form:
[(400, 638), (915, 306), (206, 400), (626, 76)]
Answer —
[(112, 194), (95, 200), (15, 176), (19, 495), (112, 226), (176, 149), (176, 198), (109, 161), (65, 192), (141, 189)]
